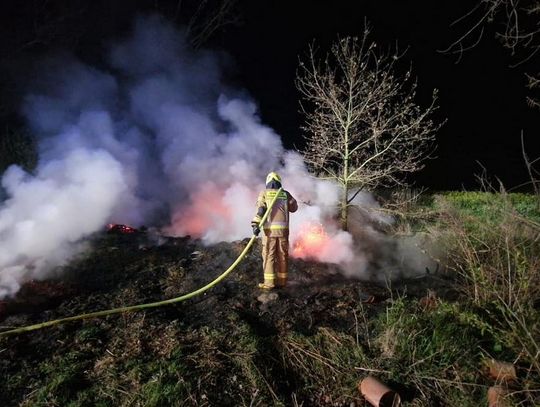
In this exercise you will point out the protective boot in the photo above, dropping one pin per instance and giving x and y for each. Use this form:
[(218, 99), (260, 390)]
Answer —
[(268, 281), (281, 280)]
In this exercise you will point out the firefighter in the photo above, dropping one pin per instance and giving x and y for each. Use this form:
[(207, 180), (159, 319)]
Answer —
[(275, 242)]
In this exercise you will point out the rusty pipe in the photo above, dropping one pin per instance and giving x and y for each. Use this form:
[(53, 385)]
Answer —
[(378, 394), (496, 396), (501, 371)]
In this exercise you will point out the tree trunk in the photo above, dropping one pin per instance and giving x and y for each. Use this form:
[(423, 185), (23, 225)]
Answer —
[(344, 209), (345, 197)]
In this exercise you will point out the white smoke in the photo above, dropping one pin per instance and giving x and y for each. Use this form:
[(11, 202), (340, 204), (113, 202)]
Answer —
[(152, 137), (379, 256), (47, 215)]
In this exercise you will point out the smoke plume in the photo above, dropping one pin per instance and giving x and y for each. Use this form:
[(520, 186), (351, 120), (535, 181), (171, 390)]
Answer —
[(153, 137)]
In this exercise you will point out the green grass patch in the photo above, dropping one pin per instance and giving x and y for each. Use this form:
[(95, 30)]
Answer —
[(62, 377), (490, 207), (435, 354)]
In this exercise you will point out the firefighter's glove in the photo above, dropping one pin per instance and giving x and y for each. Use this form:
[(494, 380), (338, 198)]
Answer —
[(256, 229)]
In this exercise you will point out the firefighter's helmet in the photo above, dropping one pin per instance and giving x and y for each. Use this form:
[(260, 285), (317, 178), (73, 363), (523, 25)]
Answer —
[(273, 176)]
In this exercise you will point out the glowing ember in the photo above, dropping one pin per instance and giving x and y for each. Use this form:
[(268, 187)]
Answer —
[(120, 229), (311, 240)]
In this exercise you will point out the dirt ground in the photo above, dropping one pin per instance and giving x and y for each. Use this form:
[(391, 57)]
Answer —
[(123, 270)]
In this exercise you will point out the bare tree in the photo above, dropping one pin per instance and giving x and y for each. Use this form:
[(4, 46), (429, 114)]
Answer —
[(363, 127)]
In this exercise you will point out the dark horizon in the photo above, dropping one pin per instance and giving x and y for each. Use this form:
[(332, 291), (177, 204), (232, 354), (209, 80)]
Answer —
[(481, 97)]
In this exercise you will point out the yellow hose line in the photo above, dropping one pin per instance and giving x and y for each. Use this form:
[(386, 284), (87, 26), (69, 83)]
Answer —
[(151, 304)]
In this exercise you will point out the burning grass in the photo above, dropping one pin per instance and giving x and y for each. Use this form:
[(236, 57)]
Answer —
[(312, 239)]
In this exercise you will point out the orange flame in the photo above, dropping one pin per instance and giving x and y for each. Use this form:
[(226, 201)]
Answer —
[(311, 240), (206, 207)]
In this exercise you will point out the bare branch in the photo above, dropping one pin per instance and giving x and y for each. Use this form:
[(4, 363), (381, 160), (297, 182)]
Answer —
[(204, 18), (471, 30), (530, 169), (517, 27)]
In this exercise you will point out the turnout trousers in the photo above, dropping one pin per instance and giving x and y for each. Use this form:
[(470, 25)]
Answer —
[(275, 254)]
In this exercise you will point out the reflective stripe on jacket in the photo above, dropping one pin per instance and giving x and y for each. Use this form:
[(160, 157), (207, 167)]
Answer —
[(277, 223)]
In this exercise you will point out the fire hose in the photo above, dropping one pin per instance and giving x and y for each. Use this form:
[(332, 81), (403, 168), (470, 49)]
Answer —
[(140, 307)]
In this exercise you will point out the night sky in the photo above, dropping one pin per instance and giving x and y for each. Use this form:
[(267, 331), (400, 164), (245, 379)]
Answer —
[(482, 99)]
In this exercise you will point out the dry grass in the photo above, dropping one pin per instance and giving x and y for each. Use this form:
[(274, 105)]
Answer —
[(500, 269)]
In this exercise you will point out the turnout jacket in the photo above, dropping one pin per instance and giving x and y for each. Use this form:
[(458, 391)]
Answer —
[(277, 222)]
